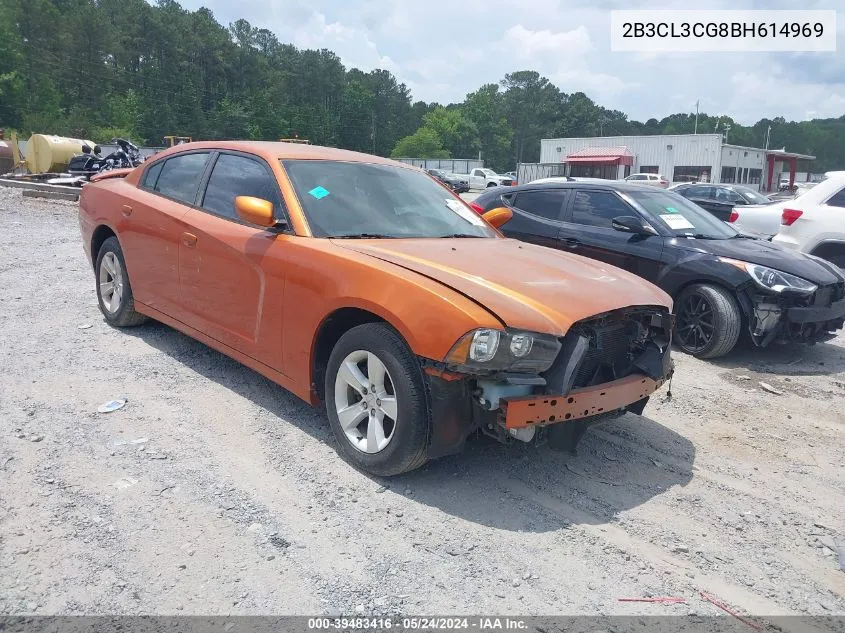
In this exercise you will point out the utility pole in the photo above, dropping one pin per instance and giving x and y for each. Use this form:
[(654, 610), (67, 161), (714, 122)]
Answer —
[(696, 118), (727, 131), (768, 135)]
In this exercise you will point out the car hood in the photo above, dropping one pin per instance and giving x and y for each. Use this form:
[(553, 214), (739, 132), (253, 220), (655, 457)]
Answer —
[(767, 254), (525, 286)]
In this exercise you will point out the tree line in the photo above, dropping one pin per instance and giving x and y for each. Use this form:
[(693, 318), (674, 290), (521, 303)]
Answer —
[(100, 69)]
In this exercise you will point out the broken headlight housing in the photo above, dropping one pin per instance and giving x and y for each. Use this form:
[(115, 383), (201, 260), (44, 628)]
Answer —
[(492, 350), (771, 279)]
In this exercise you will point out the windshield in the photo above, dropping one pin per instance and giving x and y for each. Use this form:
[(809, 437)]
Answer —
[(754, 196), (680, 216), (343, 199)]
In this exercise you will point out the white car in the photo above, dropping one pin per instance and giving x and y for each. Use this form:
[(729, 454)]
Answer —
[(812, 222), (567, 179), (648, 179), (481, 178)]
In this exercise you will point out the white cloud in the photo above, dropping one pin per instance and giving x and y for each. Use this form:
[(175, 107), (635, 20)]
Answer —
[(528, 44), (444, 50)]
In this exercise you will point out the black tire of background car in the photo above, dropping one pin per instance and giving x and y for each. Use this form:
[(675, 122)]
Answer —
[(407, 450), (491, 184), (126, 316), (727, 320)]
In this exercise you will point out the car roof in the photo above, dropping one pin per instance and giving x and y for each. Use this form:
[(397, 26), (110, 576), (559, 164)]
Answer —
[(610, 185), (274, 150)]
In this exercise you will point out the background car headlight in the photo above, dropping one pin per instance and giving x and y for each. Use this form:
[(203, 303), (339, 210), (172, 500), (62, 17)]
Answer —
[(771, 279), (489, 350)]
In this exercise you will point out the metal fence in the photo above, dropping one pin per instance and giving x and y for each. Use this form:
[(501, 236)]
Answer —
[(527, 172), (456, 165)]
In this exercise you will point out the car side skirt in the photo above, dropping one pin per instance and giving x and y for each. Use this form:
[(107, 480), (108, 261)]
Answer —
[(268, 372)]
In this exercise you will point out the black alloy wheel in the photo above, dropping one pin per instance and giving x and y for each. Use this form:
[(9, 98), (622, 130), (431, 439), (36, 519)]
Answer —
[(707, 321)]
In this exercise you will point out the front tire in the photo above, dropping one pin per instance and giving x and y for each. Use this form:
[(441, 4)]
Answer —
[(376, 401), (707, 321), (114, 292)]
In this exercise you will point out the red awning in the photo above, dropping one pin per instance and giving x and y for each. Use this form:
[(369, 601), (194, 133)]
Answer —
[(601, 156)]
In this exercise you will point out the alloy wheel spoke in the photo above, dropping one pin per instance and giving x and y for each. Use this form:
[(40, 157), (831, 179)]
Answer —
[(351, 416), (108, 263), (388, 406), (375, 373), (106, 289), (352, 376), (375, 433)]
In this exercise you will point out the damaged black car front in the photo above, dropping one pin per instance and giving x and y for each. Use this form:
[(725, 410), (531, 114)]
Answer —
[(782, 306)]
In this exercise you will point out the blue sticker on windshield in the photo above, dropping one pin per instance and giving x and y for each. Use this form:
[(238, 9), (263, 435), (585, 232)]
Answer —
[(319, 192), (669, 209)]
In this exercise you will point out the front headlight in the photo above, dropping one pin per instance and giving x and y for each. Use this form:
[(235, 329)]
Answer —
[(497, 350), (771, 279)]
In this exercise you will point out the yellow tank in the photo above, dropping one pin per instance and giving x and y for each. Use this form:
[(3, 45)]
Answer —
[(46, 153)]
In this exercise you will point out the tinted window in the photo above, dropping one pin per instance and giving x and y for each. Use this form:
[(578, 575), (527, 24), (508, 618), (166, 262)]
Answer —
[(234, 176), (697, 192), (181, 175), (598, 208), (726, 195), (151, 175), (545, 204), (837, 199), (344, 199), (636, 177)]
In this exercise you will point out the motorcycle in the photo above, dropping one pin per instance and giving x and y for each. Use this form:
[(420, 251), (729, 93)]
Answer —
[(91, 161)]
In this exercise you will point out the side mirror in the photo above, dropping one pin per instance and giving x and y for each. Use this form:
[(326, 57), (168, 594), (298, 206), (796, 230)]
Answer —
[(498, 217), (630, 224), (86, 149), (97, 149), (255, 211)]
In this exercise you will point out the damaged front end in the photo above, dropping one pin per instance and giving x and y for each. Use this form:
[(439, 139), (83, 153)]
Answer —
[(604, 365), (792, 317)]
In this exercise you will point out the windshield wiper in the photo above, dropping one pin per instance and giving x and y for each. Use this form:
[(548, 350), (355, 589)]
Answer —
[(701, 236), (460, 235), (355, 236)]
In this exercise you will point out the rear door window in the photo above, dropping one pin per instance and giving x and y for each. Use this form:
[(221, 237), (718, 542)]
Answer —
[(837, 199), (545, 204), (151, 175), (180, 177)]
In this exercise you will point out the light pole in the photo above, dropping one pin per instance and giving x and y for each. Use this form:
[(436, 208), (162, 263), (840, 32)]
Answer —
[(696, 118)]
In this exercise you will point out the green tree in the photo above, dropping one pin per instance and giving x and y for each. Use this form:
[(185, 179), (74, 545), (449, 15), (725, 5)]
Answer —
[(424, 143), (458, 133)]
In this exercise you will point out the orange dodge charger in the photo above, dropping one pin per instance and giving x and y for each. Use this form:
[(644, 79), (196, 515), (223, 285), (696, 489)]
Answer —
[(362, 283)]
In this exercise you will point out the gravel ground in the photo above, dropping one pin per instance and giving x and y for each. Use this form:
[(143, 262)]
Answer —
[(213, 491)]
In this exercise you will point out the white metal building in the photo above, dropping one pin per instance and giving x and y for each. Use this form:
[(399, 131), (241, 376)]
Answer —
[(679, 157)]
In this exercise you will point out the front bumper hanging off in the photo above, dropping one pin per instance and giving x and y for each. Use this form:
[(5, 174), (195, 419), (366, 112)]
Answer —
[(579, 403)]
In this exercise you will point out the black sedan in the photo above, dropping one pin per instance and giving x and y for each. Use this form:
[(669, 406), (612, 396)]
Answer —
[(724, 282), (720, 199), (455, 183)]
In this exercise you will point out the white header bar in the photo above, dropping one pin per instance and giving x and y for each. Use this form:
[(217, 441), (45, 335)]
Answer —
[(683, 31)]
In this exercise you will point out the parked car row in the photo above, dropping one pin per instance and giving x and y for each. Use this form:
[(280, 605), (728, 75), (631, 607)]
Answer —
[(726, 283), (364, 285), (453, 181)]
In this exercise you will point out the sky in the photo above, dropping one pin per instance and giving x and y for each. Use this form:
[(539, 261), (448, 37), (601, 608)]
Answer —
[(443, 50)]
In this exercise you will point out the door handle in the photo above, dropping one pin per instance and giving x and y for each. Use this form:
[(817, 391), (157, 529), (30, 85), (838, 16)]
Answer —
[(126, 210), (570, 242), (189, 240)]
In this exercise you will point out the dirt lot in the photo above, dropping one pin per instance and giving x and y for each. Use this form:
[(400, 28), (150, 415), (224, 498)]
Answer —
[(214, 491)]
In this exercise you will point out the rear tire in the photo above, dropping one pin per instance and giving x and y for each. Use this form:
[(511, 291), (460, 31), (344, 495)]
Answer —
[(385, 431), (708, 321), (114, 292)]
